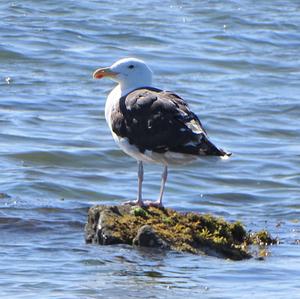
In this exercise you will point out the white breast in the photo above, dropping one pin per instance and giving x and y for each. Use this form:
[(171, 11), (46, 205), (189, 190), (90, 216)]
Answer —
[(111, 101), (131, 150)]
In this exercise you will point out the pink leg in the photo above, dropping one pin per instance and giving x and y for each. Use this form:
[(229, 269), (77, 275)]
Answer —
[(139, 201), (158, 203)]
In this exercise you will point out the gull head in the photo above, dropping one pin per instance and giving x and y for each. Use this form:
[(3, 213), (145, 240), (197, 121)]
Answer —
[(130, 73)]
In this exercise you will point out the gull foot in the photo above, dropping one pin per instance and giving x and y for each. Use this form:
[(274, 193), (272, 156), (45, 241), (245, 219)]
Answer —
[(144, 204), (134, 203), (156, 204)]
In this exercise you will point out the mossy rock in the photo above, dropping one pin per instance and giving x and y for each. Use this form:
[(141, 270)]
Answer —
[(169, 229)]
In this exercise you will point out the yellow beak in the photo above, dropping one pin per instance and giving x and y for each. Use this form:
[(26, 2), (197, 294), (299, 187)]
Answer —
[(104, 72)]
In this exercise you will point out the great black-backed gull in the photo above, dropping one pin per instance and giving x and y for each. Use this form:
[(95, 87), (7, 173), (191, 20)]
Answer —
[(150, 124)]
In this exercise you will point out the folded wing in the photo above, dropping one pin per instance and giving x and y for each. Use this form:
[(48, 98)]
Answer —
[(161, 121)]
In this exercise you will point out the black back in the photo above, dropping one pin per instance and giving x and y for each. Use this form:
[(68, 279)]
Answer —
[(160, 121)]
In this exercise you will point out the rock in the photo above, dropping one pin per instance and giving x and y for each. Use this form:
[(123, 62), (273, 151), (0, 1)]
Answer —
[(147, 237), (169, 229), (100, 227)]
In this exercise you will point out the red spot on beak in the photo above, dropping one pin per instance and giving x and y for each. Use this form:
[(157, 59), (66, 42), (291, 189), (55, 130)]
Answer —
[(103, 72)]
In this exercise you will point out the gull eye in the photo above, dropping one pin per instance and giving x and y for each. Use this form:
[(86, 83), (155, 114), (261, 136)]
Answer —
[(131, 66)]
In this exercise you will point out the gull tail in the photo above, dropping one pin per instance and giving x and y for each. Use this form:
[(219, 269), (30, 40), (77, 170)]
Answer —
[(207, 148)]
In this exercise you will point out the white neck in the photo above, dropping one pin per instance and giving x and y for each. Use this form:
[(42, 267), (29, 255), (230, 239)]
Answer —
[(127, 86)]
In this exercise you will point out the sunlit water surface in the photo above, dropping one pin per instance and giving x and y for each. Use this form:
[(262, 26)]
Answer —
[(237, 63)]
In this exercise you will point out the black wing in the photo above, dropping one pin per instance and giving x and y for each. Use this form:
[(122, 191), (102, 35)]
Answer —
[(160, 121)]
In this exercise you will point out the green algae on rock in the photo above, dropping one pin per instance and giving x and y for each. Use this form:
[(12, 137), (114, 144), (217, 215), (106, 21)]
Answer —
[(169, 229)]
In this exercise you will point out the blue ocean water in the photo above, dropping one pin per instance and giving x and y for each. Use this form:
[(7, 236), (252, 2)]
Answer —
[(237, 63)]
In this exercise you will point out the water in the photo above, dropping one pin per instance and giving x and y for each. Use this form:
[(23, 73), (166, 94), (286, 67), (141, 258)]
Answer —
[(236, 63)]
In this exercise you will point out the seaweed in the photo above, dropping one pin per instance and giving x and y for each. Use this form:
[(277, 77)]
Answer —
[(188, 232)]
